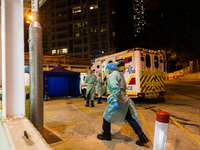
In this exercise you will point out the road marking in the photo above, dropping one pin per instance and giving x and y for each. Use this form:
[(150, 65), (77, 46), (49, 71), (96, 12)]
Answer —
[(181, 127), (143, 110), (48, 114), (85, 108), (188, 112), (147, 126), (71, 125), (73, 115), (92, 112), (99, 119)]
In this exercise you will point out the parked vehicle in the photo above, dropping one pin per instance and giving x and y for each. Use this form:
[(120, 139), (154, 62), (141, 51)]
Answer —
[(143, 70)]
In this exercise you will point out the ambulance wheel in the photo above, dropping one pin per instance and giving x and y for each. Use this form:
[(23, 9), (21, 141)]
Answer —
[(84, 93), (162, 99)]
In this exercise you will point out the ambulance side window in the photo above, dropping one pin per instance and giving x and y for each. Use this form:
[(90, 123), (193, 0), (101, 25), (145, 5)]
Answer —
[(120, 64), (148, 61), (156, 64)]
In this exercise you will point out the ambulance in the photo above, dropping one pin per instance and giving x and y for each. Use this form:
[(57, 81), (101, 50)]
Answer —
[(143, 70)]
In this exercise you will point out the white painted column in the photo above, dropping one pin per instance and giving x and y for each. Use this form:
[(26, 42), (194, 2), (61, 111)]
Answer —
[(12, 32), (0, 53)]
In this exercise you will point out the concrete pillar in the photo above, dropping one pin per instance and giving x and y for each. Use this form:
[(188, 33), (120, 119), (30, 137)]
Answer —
[(0, 53), (36, 69), (12, 31)]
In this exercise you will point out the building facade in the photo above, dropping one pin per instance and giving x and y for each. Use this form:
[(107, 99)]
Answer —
[(79, 28), (138, 16)]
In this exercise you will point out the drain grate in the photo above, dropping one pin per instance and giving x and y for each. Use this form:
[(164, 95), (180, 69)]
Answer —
[(50, 137)]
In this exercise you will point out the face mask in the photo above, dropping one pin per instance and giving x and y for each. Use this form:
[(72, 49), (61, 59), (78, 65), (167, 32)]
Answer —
[(107, 72)]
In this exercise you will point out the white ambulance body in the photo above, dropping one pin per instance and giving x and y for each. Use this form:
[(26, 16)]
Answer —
[(143, 70)]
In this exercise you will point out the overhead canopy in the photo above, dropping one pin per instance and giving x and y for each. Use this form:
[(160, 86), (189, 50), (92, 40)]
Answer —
[(61, 82), (60, 71)]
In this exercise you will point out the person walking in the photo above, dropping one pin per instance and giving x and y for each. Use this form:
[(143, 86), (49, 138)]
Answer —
[(100, 88), (90, 80), (120, 108)]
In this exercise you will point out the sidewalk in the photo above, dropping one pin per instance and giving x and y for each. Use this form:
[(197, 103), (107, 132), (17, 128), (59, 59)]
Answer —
[(77, 126)]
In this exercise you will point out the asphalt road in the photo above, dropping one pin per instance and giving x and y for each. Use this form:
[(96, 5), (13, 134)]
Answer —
[(78, 126)]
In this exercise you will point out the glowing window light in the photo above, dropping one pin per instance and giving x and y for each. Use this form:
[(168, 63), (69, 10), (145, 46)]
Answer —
[(54, 52)]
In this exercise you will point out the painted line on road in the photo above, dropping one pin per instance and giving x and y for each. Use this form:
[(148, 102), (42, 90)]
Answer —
[(143, 110), (99, 119), (73, 115), (92, 112), (70, 125), (147, 126), (188, 112), (48, 114), (181, 127), (85, 108)]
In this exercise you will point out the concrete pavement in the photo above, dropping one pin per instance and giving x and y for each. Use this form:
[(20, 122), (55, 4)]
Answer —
[(78, 126)]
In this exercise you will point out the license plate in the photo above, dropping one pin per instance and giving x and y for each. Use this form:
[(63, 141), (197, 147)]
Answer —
[(152, 94)]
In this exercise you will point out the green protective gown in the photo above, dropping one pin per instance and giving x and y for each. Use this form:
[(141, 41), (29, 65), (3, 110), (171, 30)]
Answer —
[(100, 87), (117, 88), (90, 80)]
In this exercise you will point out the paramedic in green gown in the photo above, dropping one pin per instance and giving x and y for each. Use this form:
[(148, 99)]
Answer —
[(90, 80), (100, 88), (120, 108)]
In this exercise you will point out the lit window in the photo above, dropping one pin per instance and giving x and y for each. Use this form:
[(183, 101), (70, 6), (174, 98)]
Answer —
[(93, 7), (113, 33), (93, 30), (103, 29), (77, 25), (76, 9), (77, 34), (64, 50), (54, 52)]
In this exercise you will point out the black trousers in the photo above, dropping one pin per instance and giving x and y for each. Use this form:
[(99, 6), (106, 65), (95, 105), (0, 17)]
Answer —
[(88, 100), (133, 123)]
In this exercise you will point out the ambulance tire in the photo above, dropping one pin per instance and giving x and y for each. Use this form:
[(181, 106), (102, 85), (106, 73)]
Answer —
[(84, 93), (162, 99), (158, 100)]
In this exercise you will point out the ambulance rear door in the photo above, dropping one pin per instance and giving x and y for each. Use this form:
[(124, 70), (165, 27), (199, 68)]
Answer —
[(158, 72), (147, 75)]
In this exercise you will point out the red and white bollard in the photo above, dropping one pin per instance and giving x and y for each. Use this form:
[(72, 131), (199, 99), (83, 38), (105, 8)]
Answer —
[(161, 130)]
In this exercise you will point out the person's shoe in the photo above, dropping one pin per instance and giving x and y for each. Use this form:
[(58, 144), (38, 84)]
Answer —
[(104, 136), (99, 102), (142, 140), (92, 103), (87, 105)]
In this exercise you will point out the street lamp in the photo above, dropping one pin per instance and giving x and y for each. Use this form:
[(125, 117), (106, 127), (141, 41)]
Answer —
[(29, 19)]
